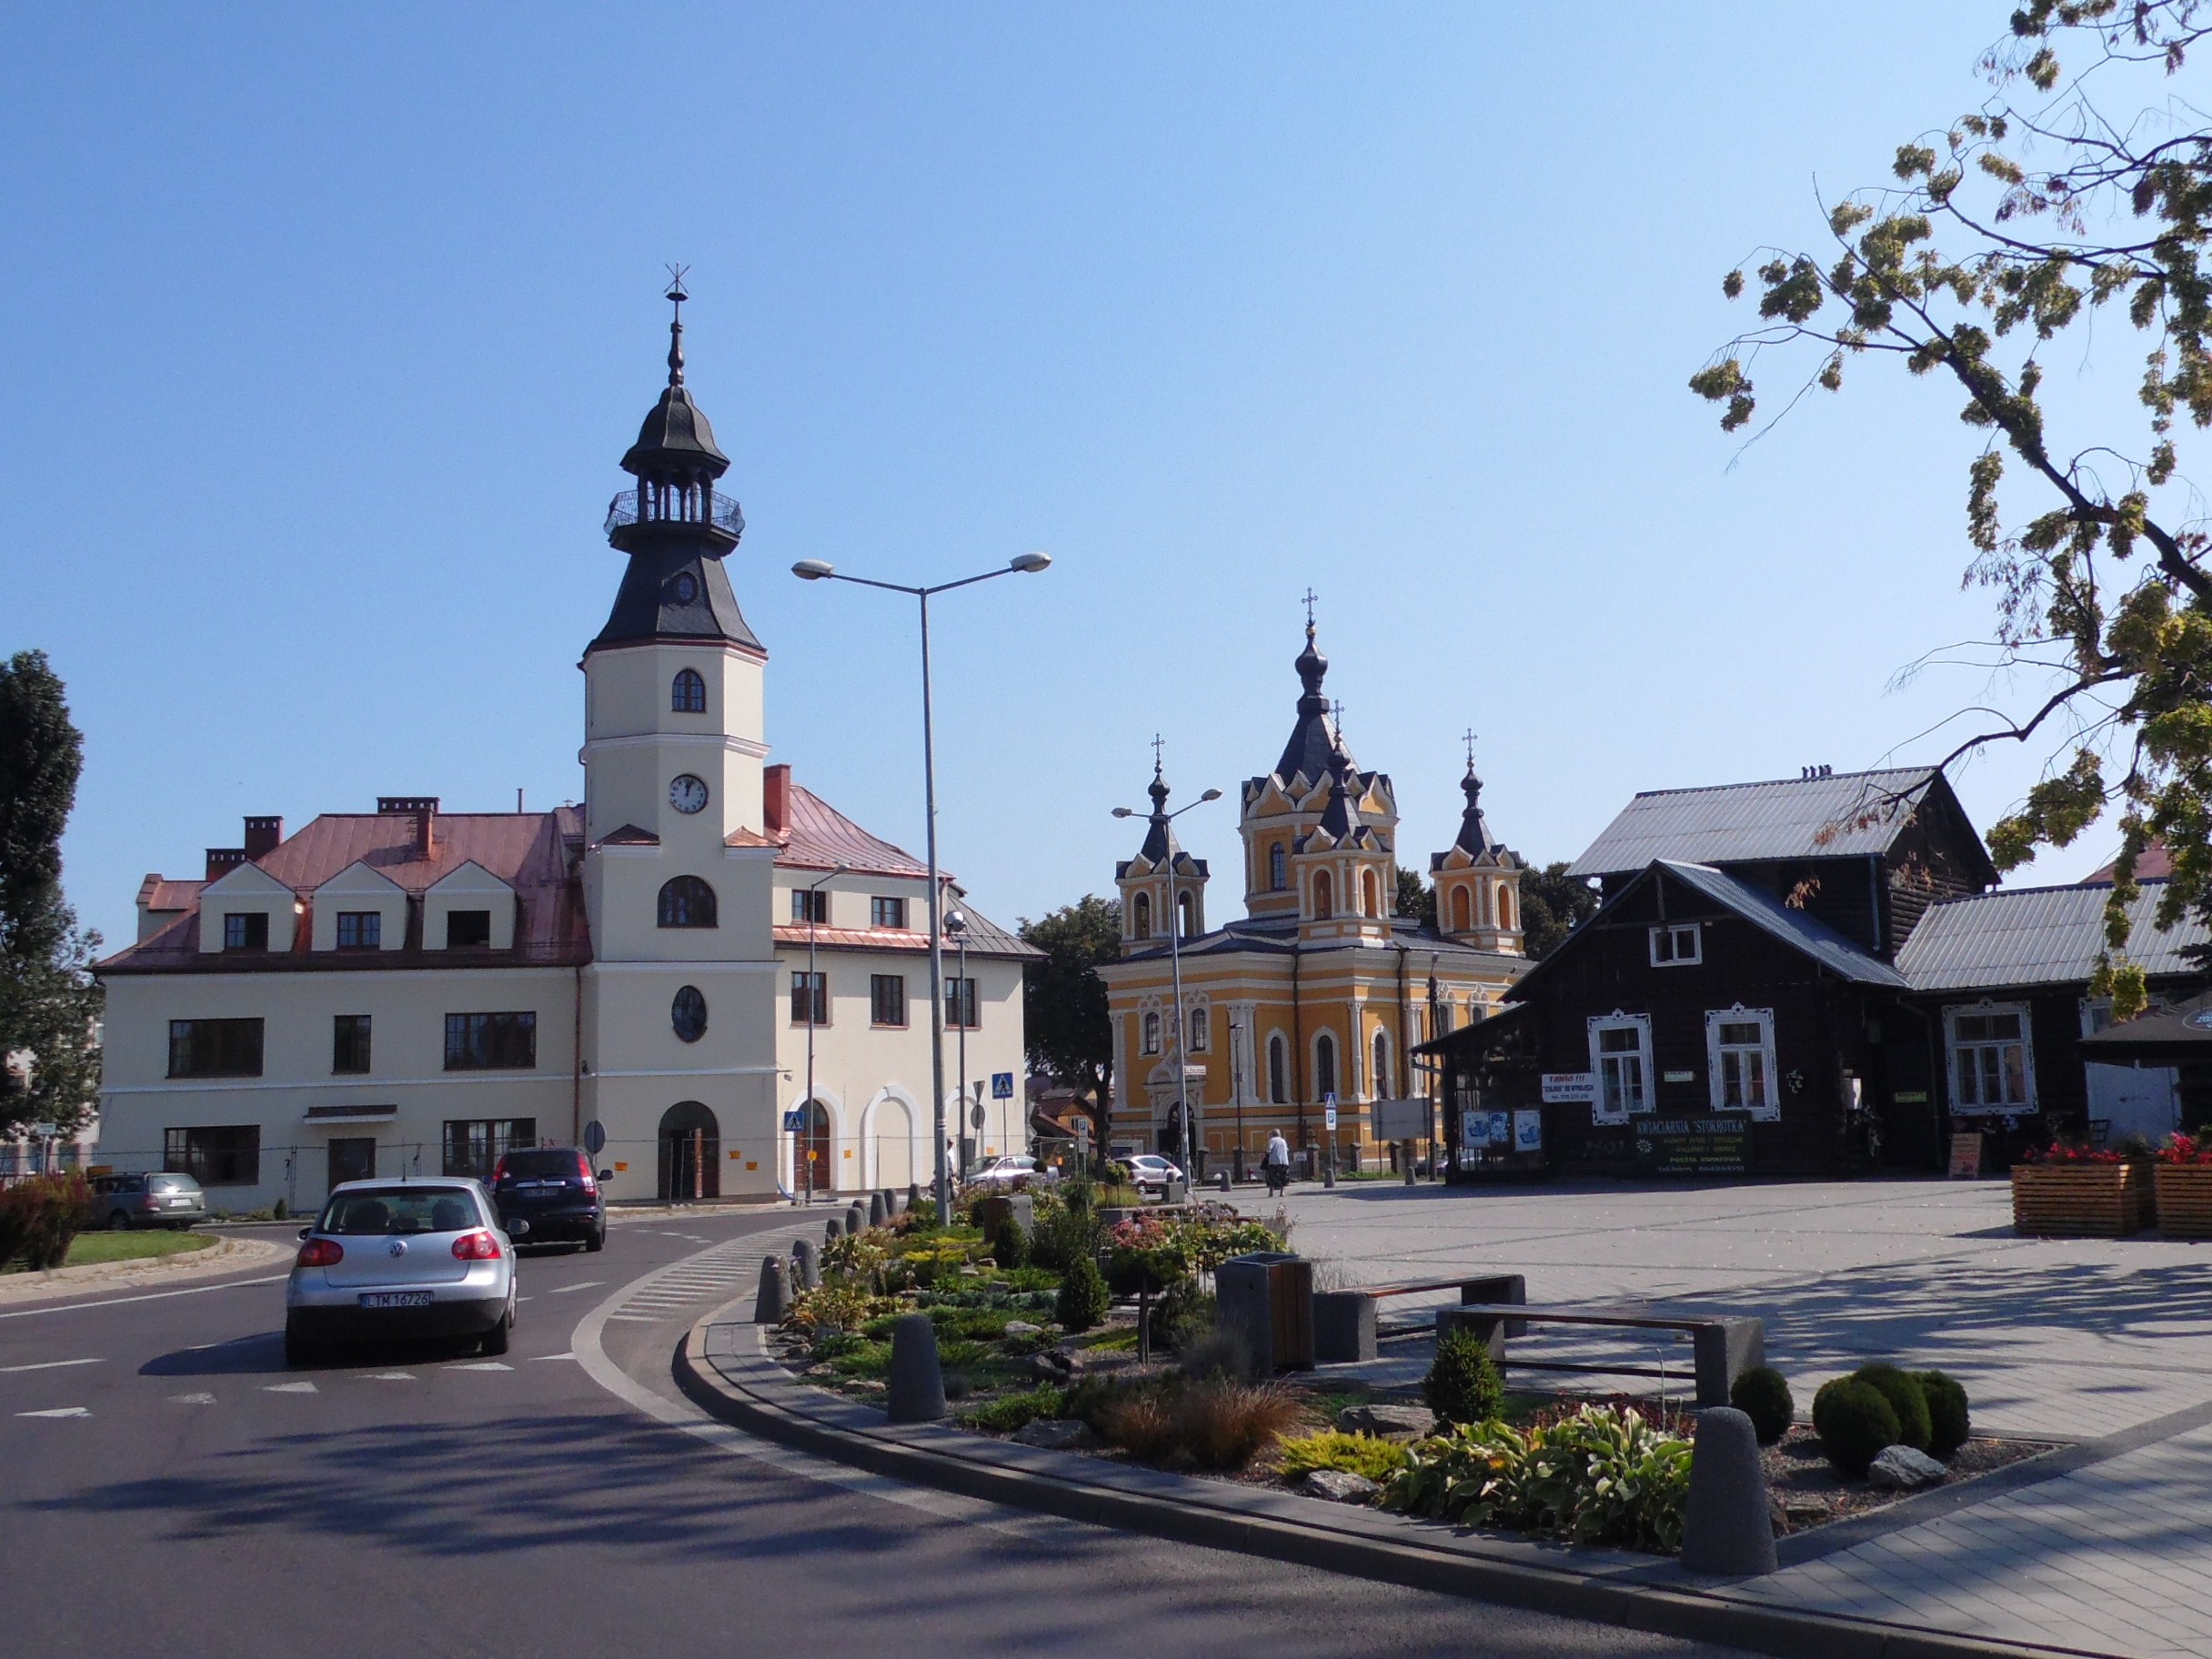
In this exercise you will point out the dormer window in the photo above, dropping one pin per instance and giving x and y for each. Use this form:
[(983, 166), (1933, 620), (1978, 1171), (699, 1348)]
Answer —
[(246, 931), (361, 929), (688, 693), (1677, 945), (464, 929)]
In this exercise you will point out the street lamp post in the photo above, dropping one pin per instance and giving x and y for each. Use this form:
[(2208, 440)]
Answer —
[(806, 1108), (956, 924), (1161, 817), (820, 571)]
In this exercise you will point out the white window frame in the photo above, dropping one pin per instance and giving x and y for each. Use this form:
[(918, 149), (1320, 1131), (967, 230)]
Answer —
[(1672, 932), (1764, 1018), (1950, 1059), (1618, 1022)]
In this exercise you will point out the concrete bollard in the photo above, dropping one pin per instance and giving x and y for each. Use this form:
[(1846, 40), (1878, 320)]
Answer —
[(1727, 1529), (1221, 1179), (917, 1381), (806, 1264), (891, 1204), (855, 1218), (833, 1230), (878, 1212), (775, 1298), (913, 1196), (1343, 1327)]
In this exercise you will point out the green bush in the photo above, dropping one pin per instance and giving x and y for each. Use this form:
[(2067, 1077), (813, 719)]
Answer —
[(1378, 1460), (1033, 1281), (1182, 1317), (1462, 1384), (1012, 1412), (1082, 1296), (1949, 1422), (1763, 1395), (1064, 1237), (1010, 1249), (1856, 1421), (1902, 1391)]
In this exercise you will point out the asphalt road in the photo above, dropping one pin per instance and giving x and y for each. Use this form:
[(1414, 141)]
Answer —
[(167, 1486)]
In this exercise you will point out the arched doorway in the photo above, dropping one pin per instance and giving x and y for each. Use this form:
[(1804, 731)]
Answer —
[(690, 1153), (812, 1172)]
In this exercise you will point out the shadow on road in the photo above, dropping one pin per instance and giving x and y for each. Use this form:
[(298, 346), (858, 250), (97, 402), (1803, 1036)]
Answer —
[(256, 1356)]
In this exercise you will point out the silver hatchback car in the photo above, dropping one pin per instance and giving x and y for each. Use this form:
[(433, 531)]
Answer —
[(402, 1259)]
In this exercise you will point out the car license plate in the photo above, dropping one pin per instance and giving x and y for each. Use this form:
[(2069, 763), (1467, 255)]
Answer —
[(396, 1298), (179, 1203)]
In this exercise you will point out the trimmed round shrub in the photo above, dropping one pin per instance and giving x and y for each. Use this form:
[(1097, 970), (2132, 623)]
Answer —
[(1010, 1248), (1855, 1423), (1902, 1391), (1462, 1384), (1949, 1424), (1082, 1296), (1763, 1395)]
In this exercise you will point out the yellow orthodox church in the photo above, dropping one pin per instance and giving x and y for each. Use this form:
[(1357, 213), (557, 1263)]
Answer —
[(1318, 995)]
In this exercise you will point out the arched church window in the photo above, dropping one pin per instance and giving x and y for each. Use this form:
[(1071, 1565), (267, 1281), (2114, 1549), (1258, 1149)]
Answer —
[(1152, 1033), (1278, 869), (687, 1014), (1142, 925), (1324, 896), (1325, 1065), (1505, 906), (1463, 912), (1370, 894), (1186, 917), (1201, 1031), (1278, 1070), (1381, 1082), (688, 695), (687, 903)]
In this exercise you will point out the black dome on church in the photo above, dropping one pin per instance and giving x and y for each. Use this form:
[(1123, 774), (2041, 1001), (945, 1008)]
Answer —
[(675, 433)]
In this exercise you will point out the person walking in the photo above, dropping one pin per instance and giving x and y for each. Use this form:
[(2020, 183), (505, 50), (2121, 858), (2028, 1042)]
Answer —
[(1276, 1163)]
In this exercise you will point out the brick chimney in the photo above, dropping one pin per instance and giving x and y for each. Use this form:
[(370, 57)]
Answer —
[(262, 835), (776, 798), (222, 860), (423, 809)]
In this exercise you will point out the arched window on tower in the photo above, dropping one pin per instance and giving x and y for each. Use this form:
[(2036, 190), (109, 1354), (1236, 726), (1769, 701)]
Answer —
[(1505, 906), (1186, 915), (1278, 1070), (1152, 1033), (1370, 891), (1381, 1085), (1324, 896), (1463, 912), (1325, 1065), (1141, 916), (687, 694), (687, 903), (1278, 869)]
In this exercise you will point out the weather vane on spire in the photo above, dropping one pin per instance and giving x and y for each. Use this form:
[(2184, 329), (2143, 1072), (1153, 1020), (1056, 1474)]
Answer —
[(676, 296)]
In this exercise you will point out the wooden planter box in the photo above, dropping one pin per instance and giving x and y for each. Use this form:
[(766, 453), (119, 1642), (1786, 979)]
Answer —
[(2185, 1200), (2080, 1201)]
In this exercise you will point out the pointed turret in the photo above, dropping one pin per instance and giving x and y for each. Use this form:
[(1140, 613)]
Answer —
[(1162, 878), (1313, 749), (1478, 879)]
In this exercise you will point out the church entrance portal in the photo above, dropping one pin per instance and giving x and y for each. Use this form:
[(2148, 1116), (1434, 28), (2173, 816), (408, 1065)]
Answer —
[(690, 1153)]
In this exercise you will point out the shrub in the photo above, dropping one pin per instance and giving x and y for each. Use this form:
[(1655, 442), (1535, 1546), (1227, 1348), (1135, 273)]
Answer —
[(836, 1305), (1378, 1460), (1902, 1391), (1010, 1249), (1141, 1422), (1856, 1421), (1462, 1384), (1219, 1425), (1064, 1237), (1012, 1412), (39, 1218), (1217, 1353), (1182, 1317), (1082, 1296), (1033, 1280), (1949, 1424), (1763, 1395)]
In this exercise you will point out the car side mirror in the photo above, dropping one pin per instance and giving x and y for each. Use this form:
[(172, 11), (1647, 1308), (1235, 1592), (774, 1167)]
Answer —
[(607, 1174), (304, 1231), (518, 1229)]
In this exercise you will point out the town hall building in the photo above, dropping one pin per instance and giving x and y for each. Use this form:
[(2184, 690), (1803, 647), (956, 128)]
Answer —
[(415, 991)]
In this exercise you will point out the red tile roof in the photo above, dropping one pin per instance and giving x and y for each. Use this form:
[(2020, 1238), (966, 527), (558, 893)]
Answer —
[(819, 837), (2154, 863)]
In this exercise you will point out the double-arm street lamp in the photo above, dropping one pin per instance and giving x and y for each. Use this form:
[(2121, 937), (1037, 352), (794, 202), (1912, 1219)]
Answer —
[(1026, 564), (1160, 819)]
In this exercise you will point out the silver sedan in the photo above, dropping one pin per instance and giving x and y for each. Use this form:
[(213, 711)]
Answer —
[(402, 1259)]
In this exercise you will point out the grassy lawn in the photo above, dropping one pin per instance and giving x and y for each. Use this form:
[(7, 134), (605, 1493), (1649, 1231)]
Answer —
[(91, 1247)]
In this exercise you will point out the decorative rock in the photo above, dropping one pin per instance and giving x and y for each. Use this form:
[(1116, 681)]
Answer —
[(1052, 1366), (916, 1382), (1056, 1434), (878, 1212), (1388, 1420), (1727, 1529), (1340, 1486), (1902, 1469), (806, 1264), (1021, 1327), (774, 1300)]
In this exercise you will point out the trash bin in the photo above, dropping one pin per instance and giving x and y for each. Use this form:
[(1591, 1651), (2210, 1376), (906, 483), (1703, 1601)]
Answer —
[(1266, 1299)]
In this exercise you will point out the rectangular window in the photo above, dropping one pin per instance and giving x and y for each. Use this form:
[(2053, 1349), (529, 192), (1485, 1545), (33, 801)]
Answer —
[(214, 1047), (246, 931), (886, 912), (1740, 1053), (1991, 1069), (1621, 1056), (810, 905), (959, 1004), (1677, 945), (491, 1043), (361, 929), (810, 999), (349, 1043), (474, 1146), (887, 999), (468, 928), (226, 1156)]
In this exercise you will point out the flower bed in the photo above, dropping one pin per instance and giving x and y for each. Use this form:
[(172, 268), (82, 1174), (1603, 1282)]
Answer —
[(2085, 1197), (2182, 1180)]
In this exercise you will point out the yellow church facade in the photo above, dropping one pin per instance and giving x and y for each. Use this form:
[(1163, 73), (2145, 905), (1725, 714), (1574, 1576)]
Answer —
[(1320, 992)]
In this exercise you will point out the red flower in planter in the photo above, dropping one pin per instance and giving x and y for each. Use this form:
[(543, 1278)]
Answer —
[(2184, 1150), (2063, 1151)]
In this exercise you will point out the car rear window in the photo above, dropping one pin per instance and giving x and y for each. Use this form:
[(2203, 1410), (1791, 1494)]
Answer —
[(377, 1211), (173, 1184), (539, 1165)]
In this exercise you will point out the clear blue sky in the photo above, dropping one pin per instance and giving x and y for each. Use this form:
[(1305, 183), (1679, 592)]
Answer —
[(324, 330)]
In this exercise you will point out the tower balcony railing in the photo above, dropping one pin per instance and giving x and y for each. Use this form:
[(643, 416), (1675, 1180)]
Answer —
[(722, 512)]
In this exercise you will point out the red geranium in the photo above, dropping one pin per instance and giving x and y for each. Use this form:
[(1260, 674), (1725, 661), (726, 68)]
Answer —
[(2066, 1152), (2184, 1149)]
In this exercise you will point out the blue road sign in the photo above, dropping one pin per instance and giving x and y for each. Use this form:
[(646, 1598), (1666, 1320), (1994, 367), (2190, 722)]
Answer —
[(1001, 1085), (795, 1118), (594, 1137)]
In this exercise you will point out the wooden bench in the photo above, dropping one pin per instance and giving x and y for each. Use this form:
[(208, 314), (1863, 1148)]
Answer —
[(1722, 1347)]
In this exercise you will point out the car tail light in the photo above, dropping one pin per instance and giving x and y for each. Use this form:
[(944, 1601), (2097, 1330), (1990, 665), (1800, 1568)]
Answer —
[(149, 1202), (592, 1184), (477, 1246), (321, 1252), (499, 1170)]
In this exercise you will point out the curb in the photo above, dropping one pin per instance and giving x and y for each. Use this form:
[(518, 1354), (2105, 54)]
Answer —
[(764, 1401), (225, 1255)]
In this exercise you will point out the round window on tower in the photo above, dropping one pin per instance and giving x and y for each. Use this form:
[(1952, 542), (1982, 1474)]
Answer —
[(684, 587), (687, 1014)]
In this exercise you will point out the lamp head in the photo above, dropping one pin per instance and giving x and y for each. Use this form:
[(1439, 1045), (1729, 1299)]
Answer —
[(1209, 795), (1123, 812), (956, 922), (1030, 564), (813, 570)]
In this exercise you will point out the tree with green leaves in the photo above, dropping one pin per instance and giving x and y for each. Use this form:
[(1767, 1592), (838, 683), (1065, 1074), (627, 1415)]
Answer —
[(1416, 898), (1553, 905), (1063, 1001), (2076, 191), (48, 1003)]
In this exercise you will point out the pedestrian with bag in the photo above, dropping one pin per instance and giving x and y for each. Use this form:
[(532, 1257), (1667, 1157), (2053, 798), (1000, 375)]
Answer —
[(1275, 1163)]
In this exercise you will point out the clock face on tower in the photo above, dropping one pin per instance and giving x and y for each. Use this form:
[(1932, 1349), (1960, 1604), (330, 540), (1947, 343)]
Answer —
[(686, 793)]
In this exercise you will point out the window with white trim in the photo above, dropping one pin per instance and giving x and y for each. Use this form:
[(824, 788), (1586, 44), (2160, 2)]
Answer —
[(1990, 1065), (1740, 1060), (1621, 1056), (1677, 944)]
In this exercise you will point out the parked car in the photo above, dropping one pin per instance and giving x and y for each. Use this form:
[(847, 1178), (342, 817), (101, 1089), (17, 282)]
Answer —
[(396, 1259), (122, 1201), (1150, 1172), (1013, 1172), (554, 1189)]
